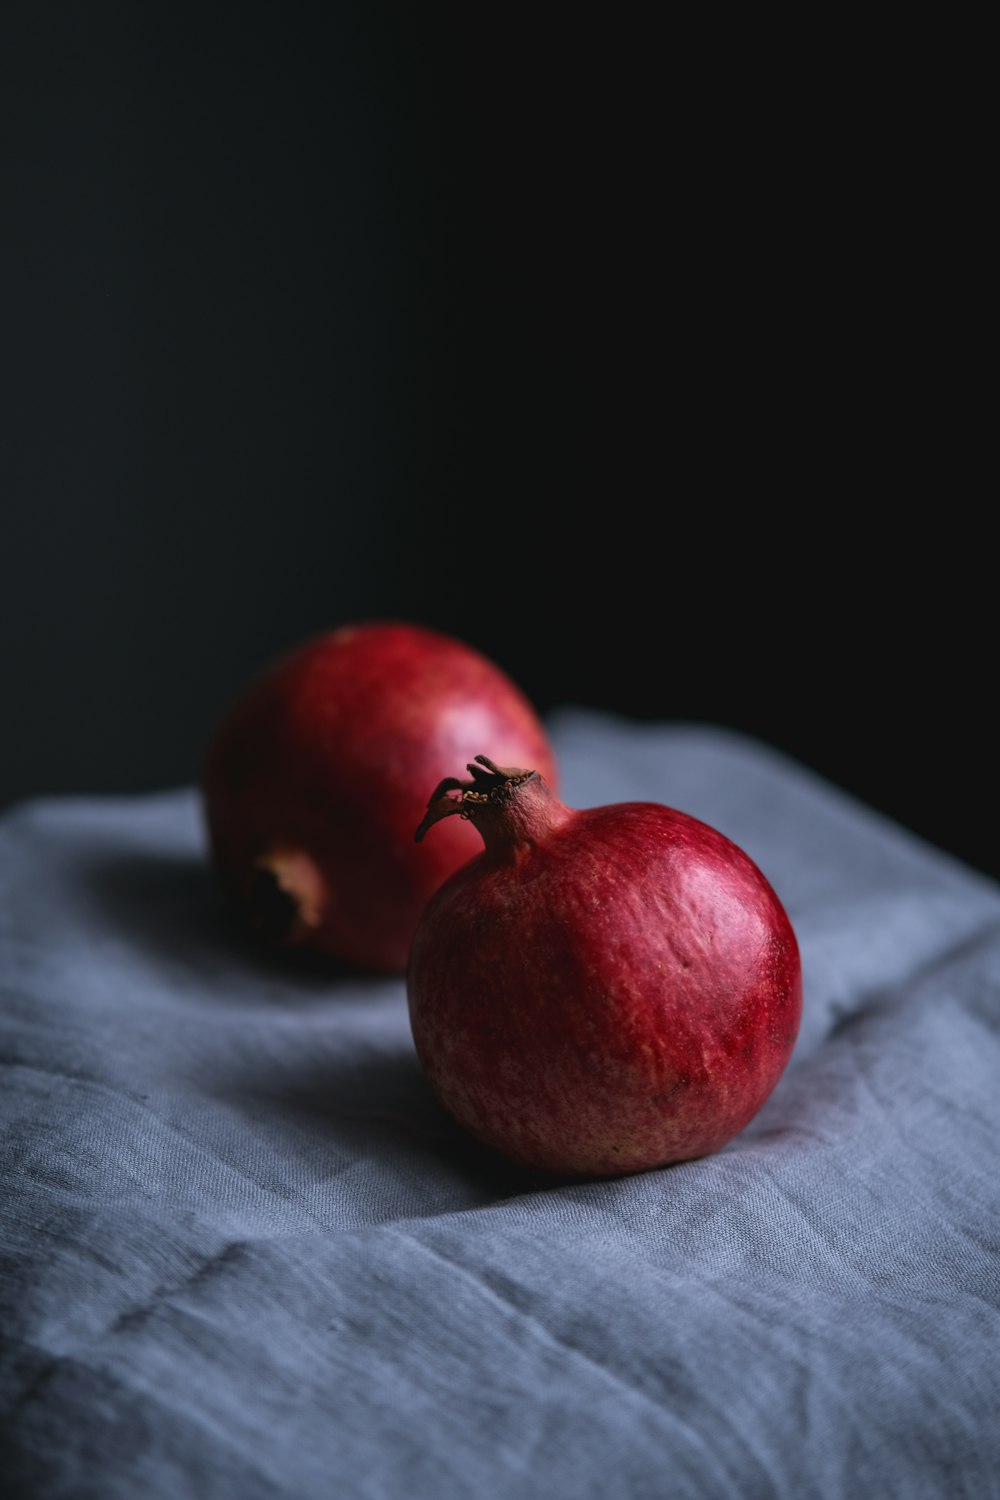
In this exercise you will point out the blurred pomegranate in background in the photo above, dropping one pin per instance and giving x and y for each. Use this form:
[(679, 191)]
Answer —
[(317, 775)]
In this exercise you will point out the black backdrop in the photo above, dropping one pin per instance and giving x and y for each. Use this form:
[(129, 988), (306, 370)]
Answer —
[(634, 358)]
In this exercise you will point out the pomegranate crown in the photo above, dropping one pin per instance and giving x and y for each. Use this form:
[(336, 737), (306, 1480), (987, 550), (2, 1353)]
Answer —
[(490, 783)]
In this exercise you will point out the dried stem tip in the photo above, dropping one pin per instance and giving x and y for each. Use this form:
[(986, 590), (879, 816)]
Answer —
[(490, 783)]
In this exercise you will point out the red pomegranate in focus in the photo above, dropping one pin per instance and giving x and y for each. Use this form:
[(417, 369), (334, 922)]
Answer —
[(599, 991), (315, 778)]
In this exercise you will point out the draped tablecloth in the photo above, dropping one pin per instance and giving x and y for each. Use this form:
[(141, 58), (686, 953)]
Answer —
[(245, 1255)]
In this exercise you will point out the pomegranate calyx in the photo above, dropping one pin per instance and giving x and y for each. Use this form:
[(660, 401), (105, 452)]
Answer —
[(285, 895), (490, 783)]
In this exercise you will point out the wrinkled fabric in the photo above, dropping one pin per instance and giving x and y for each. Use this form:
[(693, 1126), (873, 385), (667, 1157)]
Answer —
[(245, 1255)]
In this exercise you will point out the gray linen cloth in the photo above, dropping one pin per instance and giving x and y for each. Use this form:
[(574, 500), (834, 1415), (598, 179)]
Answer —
[(244, 1254)]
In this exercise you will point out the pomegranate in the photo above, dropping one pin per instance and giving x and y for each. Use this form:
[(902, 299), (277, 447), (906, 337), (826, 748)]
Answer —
[(599, 991), (308, 788)]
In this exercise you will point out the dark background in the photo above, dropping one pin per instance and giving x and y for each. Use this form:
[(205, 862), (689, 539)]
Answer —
[(641, 360)]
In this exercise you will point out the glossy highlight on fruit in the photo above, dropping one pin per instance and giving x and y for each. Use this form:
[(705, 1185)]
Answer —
[(316, 775), (600, 991)]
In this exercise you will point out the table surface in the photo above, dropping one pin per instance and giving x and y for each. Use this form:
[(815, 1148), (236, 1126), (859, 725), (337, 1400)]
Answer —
[(244, 1253)]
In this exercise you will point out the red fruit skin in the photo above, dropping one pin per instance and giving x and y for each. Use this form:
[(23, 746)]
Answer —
[(622, 993), (318, 769)]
